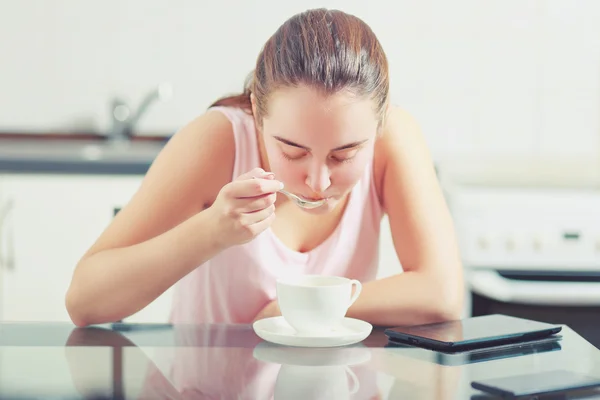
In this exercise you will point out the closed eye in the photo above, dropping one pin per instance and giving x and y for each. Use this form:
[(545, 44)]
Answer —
[(345, 156), (340, 156), (292, 157), (342, 160)]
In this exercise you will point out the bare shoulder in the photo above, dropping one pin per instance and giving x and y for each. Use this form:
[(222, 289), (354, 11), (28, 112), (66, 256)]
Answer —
[(202, 151), (184, 179), (401, 134)]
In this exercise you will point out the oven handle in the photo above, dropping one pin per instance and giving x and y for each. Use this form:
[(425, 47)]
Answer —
[(492, 285)]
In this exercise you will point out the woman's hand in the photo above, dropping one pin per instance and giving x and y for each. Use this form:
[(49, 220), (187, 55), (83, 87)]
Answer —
[(245, 207)]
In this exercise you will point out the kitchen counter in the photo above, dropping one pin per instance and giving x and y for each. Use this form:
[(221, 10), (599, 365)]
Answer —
[(77, 155), (229, 361)]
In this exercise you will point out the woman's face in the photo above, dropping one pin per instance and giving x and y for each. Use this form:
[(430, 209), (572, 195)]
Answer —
[(319, 146)]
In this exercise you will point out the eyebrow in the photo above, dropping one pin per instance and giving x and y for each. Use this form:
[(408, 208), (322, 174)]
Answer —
[(344, 147)]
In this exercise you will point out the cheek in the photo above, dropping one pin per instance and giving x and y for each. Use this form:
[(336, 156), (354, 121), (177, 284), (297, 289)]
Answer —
[(347, 175)]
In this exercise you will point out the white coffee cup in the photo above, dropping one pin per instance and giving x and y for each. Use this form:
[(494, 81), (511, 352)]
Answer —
[(314, 304)]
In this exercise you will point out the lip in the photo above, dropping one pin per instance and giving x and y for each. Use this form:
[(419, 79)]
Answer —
[(314, 198)]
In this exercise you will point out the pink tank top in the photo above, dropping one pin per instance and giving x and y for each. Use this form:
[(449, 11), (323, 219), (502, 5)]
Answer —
[(237, 283)]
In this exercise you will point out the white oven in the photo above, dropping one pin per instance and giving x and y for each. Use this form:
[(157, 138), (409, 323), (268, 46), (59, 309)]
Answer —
[(532, 252)]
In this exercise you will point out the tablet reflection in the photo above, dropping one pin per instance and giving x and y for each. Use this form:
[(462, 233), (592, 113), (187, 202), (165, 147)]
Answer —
[(480, 355)]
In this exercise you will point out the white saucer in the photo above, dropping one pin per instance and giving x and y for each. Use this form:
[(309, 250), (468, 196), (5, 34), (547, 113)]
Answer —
[(277, 330)]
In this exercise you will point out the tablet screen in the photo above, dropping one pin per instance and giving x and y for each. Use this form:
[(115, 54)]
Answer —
[(474, 328)]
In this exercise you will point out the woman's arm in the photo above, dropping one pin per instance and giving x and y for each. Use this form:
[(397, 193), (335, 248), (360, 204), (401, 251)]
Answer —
[(431, 287), (163, 233)]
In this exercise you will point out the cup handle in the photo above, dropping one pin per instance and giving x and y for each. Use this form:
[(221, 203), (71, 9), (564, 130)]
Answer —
[(355, 385), (356, 291)]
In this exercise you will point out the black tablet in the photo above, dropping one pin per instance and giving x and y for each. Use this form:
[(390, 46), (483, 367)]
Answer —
[(536, 346), (541, 383), (472, 333)]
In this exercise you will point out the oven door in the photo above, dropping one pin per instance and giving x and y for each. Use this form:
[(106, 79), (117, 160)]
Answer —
[(560, 297)]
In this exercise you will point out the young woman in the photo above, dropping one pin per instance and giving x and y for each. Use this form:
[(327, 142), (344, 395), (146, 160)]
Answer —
[(314, 118)]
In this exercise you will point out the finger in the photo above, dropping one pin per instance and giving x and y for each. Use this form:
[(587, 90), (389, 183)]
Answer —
[(257, 216), (260, 226), (253, 204), (255, 173), (254, 187)]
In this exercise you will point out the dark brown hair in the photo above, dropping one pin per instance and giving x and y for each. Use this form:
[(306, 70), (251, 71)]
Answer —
[(328, 50)]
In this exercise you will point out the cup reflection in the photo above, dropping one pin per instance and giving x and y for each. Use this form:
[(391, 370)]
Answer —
[(319, 373)]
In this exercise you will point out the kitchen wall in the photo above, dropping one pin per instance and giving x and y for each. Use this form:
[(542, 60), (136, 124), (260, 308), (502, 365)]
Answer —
[(488, 80)]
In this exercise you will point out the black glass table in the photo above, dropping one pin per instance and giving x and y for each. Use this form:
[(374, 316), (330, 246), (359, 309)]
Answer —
[(121, 361)]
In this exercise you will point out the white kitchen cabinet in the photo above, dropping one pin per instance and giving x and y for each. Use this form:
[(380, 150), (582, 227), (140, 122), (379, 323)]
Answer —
[(50, 221)]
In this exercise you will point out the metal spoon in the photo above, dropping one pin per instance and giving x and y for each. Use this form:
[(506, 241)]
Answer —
[(300, 202), (308, 204)]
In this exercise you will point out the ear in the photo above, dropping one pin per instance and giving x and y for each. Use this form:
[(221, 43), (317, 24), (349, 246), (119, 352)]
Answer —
[(253, 102)]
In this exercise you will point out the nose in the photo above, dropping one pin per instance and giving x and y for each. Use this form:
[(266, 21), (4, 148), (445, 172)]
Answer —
[(319, 178)]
